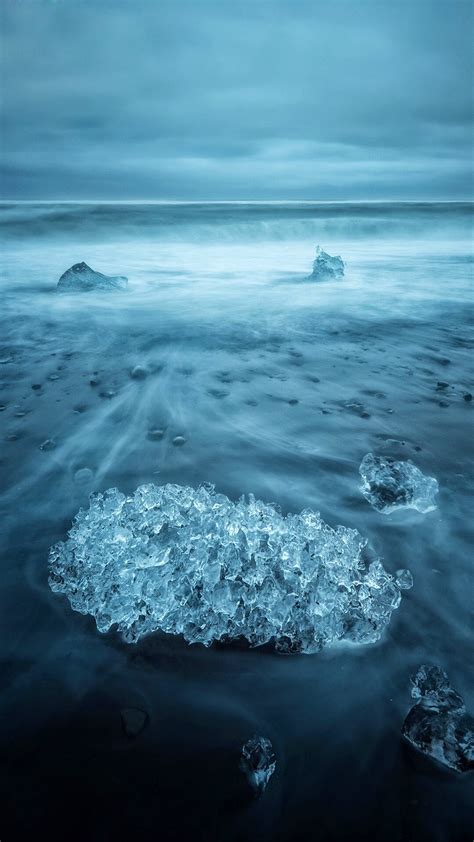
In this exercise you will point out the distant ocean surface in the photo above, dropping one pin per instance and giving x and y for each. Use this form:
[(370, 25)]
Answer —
[(279, 386)]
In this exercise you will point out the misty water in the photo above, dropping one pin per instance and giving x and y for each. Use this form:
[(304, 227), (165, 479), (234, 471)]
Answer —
[(257, 380)]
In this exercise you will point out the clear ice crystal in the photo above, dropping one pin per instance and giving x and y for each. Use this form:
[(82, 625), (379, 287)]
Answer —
[(389, 485), (190, 562), (404, 579), (258, 762), (431, 688), (438, 725), (327, 268)]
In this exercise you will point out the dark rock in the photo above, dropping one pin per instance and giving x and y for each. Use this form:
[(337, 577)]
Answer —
[(139, 372), (468, 397), (82, 277), (133, 721), (49, 444)]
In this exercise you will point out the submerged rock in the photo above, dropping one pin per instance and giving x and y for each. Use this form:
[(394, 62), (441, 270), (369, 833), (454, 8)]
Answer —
[(82, 277), (191, 562), (327, 268), (258, 763), (438, 724), (389, 485)]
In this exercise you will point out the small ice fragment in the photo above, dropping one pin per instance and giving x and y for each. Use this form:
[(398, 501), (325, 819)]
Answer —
[(258, 763), (53, 376), (83, 476), (178, 441), (191, 562), (389, 485), (155, 434), (438, 725), (49, 444), (81, 277), (327, 268), (133, 721), (404, 579), (139, 372)]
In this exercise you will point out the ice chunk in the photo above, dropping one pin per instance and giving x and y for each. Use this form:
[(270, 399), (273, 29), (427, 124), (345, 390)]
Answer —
[(258, 762), (191, 562), (431, 687), (82, 277), (390, 485), (438, 724), (327, 268), (404, 579)]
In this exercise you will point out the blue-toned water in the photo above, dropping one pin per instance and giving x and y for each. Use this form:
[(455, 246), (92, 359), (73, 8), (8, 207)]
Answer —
[(278, 386)]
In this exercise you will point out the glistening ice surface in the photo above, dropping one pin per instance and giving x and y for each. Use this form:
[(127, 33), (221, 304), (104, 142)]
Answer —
[(194, 563)]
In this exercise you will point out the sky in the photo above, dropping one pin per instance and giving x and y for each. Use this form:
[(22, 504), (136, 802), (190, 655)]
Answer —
[(236, 99)]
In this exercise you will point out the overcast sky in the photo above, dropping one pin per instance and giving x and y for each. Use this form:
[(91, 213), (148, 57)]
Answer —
[(236, 99)]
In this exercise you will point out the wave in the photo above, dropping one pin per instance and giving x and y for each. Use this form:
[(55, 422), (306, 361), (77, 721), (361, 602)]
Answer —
[(236, 222)]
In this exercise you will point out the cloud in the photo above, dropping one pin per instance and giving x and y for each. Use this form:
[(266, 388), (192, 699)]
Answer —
[(201, 99)]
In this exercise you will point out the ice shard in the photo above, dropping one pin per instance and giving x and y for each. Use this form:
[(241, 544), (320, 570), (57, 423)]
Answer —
[(258, 762), (191, 562), (389, 485), (81, 277), (327, 268), (438, 725)]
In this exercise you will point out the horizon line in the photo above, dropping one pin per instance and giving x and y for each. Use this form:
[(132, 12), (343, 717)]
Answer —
[(235, 201)]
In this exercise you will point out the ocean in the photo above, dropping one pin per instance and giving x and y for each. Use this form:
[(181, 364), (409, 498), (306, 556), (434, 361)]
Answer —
[(261, 381)]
